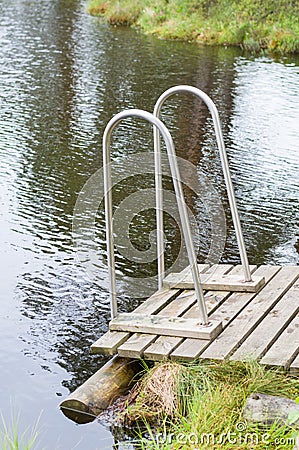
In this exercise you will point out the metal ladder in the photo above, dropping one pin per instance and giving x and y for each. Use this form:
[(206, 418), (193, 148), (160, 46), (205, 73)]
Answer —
[(161, 129), (226, 172)]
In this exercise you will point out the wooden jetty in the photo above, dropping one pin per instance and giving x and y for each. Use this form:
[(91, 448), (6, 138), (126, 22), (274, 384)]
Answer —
[(262, 325), (216, 312)]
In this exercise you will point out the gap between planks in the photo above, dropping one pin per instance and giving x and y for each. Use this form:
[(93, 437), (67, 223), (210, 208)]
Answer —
[(243, 325), (136, 346), (271, 327), (110, 341)]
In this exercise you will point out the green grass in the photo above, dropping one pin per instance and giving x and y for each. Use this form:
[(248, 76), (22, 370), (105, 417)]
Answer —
[(254, 25), (12, 439), (209, 399)]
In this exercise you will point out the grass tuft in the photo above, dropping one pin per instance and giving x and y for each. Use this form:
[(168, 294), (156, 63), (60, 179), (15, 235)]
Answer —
[(12, 439), (202, 403)]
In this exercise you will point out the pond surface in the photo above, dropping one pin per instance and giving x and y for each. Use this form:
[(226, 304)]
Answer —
[(63, 75)]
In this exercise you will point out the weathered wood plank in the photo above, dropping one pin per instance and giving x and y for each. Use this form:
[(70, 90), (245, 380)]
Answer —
[(163, 346), (294, 368), (201, 267), (229, 282), (135, 346), (238, 330), (191, 349), (286, 347), (185, 273), (266, 333), (166, 326), (110, 341), (214, 299), (138, 342)]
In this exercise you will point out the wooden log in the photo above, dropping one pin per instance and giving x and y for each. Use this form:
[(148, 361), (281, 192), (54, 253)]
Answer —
[(267, 409), (100, 390)]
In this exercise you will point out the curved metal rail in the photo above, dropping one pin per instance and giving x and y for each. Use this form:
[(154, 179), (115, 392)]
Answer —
[(158, 126), (226, 172)]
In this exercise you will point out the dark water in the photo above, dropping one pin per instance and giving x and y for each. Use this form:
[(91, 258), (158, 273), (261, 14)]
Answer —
[(63, 75)]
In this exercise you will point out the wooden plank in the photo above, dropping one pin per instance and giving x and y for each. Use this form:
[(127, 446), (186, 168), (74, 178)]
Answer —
[(229, 282), (294, 368), (166, 326), (286, 347), (135, 346), (110, 341), (233, 305), (201, 267), (137, 343), (185, 273), (163, 345), (191, 349), (266, 333), (216, 298), (238, 330)]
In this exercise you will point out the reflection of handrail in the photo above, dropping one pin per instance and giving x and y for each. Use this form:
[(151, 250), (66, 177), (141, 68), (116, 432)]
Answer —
[(179, 196), (226, 172)]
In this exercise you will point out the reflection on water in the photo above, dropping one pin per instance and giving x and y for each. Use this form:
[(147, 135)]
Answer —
[(62, 77)]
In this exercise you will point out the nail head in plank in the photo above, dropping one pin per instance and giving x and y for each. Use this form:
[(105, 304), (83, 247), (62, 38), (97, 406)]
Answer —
[(166, 326), (235, 334)]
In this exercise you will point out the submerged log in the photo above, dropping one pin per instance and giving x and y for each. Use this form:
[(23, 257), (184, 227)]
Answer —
[(266, 409), (101, 389)]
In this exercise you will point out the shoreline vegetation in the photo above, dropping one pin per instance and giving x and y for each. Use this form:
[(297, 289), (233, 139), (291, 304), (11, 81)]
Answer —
[(254, 25), (200, 405)]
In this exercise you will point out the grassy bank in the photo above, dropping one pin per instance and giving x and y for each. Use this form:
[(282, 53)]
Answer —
[(254, 25), (199, 406)]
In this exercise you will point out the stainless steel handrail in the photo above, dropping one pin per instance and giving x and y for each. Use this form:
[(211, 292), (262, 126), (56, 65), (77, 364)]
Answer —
[(226, 172), (158, 125)]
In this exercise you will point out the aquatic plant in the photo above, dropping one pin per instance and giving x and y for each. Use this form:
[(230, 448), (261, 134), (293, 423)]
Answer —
[(12, 439)]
